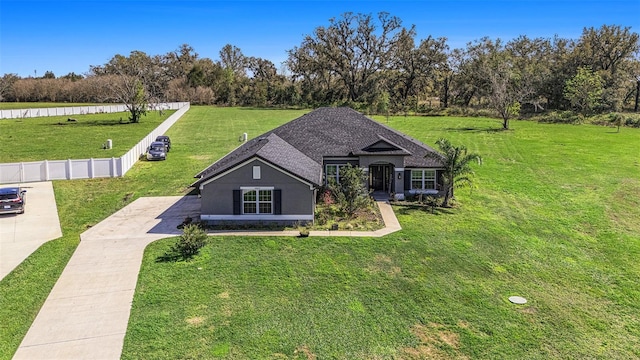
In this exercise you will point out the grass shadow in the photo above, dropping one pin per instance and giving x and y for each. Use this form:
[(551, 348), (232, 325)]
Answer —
[(271, 108), (91, 123), (408, 209), (475, 129), (169, 257)]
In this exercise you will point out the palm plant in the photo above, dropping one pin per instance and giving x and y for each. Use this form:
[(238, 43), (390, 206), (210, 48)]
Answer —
[(457, 167)]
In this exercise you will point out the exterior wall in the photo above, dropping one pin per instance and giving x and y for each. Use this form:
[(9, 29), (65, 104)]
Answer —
[(403, 188), (297, 199), (398, 175), (396, 161), (352, 161)]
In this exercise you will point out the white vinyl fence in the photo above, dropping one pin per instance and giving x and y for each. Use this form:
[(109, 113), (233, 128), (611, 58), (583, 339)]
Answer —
[(78, 110), (85, 168)]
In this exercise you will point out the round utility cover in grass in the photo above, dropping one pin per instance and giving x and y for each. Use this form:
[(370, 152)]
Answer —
[(518, 300)]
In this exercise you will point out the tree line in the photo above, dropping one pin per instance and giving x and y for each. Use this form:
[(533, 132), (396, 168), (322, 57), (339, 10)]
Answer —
[(374, 64)]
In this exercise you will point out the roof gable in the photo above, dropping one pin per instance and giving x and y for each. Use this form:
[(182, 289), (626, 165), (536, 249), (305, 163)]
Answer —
[(382, 147)]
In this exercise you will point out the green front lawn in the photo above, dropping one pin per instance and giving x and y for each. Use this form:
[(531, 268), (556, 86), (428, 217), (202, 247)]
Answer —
[(553, 219)]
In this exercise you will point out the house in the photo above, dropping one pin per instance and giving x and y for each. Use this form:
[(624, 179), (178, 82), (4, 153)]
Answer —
[(274, 177)]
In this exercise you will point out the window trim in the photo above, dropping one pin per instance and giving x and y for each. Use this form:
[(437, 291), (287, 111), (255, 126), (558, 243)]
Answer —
[(337, 175), (424, 179), (257, 202)]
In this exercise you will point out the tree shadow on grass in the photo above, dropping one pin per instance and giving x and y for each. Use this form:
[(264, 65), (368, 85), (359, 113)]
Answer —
[(476, 129), (90, 123), (173, 256), (169, 257), (408, 209)]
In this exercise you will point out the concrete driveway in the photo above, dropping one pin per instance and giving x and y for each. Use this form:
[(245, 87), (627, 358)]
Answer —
[(87, 311), (22, 234)]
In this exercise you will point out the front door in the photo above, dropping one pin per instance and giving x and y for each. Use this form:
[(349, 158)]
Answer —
[(380, 177)]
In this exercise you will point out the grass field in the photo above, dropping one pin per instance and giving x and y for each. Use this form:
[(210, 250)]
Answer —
[(553, 219), (54, 138)]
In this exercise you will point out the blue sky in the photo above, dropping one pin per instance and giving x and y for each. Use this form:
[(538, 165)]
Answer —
[(68, 36)]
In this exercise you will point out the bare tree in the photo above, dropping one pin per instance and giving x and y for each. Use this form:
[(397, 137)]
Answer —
[(499, 78), (130, 91)]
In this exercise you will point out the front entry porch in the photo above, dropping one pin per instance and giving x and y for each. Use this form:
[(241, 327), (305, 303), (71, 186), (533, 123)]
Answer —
[(381, 178)]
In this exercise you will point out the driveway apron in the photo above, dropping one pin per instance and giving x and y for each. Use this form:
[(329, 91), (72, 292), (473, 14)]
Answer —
[(87, 311), (22, 234)]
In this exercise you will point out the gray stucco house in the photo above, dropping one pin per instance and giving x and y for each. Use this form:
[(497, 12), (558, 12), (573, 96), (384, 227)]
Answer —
[(275, 176)]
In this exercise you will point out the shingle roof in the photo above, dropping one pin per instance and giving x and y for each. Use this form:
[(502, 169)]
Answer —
[(300, 145)]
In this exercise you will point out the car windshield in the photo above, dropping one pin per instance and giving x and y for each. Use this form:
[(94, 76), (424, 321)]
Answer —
[(8, 196), (157, 148)]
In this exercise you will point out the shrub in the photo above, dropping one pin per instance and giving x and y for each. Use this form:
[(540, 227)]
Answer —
[(193, 238), (351, 193), (326, 197)]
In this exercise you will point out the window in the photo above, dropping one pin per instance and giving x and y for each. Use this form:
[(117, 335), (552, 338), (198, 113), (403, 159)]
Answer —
[(257, 201), (333, 172), (256, 172), (423, 179)]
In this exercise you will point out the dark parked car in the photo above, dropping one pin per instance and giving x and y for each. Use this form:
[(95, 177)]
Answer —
[(165, 139), (12, 200), (157, 151)]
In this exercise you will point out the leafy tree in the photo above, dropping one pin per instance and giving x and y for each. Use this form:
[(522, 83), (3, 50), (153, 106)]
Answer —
[(457, 167), (529, 60), (414, 69), (6, 85), (561, 63), (73, 76), (353, 49), (584, 90), (606, 50), (351, 193)]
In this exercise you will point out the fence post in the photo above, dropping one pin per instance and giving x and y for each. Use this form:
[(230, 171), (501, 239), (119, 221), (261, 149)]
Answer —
[(46, 170), (113, 167), (91, 169), (69, 170), (21, 171)]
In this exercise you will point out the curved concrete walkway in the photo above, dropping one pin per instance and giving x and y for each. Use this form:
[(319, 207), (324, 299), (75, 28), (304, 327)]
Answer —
[(87, 311)]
